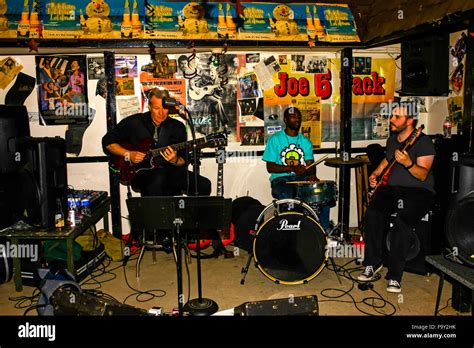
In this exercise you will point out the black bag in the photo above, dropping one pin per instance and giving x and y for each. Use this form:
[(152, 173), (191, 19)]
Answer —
[(245, 211)]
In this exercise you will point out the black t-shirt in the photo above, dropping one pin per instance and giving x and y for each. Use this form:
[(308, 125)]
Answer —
[(136, 128), (400, 176)]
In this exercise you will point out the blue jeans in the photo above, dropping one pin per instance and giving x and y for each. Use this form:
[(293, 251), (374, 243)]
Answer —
[(281, 190)]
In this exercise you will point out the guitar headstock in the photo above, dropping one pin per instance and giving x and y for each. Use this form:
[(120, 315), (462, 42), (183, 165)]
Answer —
[(414, 135), (218, 139)]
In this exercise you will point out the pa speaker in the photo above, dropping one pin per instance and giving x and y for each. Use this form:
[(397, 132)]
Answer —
[(459, 227), (44, 179), (425, 66), (14, 124)]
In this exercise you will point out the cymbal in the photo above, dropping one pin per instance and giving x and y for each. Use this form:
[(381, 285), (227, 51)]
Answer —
[(339, 162)]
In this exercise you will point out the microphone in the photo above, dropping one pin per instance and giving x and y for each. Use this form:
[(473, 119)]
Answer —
[(170, 102)]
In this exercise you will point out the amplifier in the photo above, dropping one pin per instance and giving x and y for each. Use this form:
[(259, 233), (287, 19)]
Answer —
[(301, 305)]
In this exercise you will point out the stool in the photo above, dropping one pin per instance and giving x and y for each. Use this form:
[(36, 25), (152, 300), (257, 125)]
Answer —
[(420, 246)]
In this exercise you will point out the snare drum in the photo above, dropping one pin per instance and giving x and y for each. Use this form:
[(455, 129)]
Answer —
[(322, 192), (290, 244)]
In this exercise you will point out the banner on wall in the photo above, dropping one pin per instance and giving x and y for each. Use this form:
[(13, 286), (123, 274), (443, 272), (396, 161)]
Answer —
[(154, 19), (297, 22), (457, 52), (62, 90)]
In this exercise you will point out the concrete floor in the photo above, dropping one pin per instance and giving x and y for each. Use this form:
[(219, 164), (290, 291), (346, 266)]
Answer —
[(221, 282)]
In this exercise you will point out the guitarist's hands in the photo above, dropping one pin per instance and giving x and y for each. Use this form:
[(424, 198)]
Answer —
[(170, 155), (373, 180), (134, 156), (403, 158)]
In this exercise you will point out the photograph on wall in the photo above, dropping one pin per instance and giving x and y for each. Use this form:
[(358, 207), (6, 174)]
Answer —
[(283, 59), (315, 65), (125, 86), (253, 58), (95, 68), (251, 136), (249, 87), (126, 66), (212, 95), (9, 69), (380, 126), (297, 63), (62, 89), (361, 65)]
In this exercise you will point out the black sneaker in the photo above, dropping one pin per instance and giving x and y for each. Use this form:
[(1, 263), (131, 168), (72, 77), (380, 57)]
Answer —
[(369, 273), (393, 286)]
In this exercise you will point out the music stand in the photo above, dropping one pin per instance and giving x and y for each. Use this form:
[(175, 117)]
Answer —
[(183, 213)]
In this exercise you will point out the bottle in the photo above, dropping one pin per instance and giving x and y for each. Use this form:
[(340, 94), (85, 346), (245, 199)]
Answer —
[(24, 22), (310, 28), (221, 25), (71, 205), (447, 126), (126, 27), (317, 24), (229, 20), (136, 24), (59, 216), (35, 24)]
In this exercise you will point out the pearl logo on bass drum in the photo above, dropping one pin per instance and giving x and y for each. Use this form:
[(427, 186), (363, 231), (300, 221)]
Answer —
[(284, 226)]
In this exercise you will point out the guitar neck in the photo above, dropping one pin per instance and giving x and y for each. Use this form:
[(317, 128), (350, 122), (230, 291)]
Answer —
[(178, 146)]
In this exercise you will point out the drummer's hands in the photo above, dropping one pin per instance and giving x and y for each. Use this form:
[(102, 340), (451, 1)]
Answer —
[(313, 178), (298, 170)]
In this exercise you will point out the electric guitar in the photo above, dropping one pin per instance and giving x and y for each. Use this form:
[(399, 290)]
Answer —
[(387, 171), (127, 170)]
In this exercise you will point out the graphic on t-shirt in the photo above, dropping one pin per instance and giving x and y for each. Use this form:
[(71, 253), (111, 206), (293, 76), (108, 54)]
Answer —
[(292, 155)]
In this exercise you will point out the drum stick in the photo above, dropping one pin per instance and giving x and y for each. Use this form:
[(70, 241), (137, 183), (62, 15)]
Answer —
[(317, 162)]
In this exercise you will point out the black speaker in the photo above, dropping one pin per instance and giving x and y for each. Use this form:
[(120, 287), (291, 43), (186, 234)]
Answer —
[(425, 66), (44, 179), (14, 123), (459, 227)]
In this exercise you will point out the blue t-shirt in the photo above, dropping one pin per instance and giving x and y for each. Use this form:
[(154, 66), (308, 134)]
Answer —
[(285, 150)]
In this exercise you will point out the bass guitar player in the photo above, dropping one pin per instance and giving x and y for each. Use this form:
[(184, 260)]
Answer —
[(408, 191)]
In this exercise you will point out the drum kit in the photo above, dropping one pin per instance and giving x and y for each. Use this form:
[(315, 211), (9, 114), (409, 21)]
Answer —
[(290, 246)]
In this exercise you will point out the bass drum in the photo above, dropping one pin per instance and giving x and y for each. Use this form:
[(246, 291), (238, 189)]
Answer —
[(290, 246)]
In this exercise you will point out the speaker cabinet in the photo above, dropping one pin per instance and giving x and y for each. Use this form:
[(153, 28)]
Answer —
[(14, 124), (459, 227), (44, 179), (425, 66)]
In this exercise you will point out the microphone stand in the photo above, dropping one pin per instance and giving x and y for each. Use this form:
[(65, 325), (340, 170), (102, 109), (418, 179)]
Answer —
[(200, 306)]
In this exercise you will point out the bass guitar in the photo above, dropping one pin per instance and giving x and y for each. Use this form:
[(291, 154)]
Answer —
[(127, 170), (387, 171)]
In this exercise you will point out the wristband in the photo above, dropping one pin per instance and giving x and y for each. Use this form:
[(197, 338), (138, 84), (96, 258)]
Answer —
[(411, 165)]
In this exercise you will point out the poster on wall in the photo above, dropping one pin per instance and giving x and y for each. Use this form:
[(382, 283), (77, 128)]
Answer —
[(62, 90), (212, 96), (294, 88), (175, 87), (94, 19), (457, 53), (190, 20), (297, 22)]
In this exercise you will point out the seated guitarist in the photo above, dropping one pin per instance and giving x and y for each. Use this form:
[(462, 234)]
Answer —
[(170, 176), (409, 192)]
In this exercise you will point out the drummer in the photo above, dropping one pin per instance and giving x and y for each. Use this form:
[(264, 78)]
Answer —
[(289, 154)]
